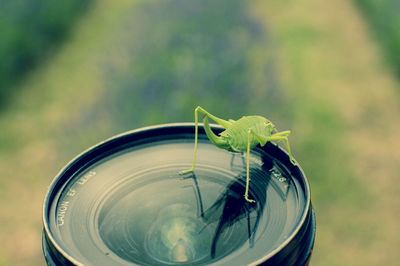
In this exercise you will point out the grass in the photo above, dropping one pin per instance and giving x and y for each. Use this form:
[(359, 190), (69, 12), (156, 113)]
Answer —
[(384, 20), (29, 33), (337, 78), (129, 64), (39, 127)]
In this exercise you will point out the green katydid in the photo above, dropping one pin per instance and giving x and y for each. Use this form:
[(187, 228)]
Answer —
[(239, 136)]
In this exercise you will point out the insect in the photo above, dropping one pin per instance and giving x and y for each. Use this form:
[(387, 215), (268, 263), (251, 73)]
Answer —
[(240, 135)]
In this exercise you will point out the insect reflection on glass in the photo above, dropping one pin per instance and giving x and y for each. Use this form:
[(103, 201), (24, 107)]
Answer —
[(240, 135), (229, 210)]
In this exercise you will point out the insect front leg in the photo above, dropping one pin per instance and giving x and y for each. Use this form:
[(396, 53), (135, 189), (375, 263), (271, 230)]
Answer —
[(280, 136), (283, 136)]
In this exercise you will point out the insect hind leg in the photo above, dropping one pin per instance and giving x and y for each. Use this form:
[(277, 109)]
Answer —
[(196, 134), (217, 120)]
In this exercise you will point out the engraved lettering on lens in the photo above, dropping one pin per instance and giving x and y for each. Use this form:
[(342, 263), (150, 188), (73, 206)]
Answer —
[(275, 172), (71, 192), (62, 210), (86, 178)]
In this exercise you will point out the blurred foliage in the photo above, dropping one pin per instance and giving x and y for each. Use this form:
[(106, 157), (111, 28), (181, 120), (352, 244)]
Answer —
[(384, 18), (188, 53), (29, 30)]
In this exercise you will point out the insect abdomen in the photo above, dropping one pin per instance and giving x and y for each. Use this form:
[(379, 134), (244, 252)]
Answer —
[(237, 133)]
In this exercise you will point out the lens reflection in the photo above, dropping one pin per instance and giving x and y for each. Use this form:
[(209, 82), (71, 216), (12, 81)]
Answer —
[(177, 236), (159, 221)]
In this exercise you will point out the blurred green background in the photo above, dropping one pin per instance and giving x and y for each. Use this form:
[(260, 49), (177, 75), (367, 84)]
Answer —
[(75, 73)]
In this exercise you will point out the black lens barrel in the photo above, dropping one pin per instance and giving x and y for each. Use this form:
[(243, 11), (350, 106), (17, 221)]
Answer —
[(295, 248)]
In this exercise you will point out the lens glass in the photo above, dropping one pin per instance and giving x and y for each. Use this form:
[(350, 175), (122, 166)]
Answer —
[(133, 206)]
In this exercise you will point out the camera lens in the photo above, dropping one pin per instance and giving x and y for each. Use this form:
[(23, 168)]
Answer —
[(123, 202)]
